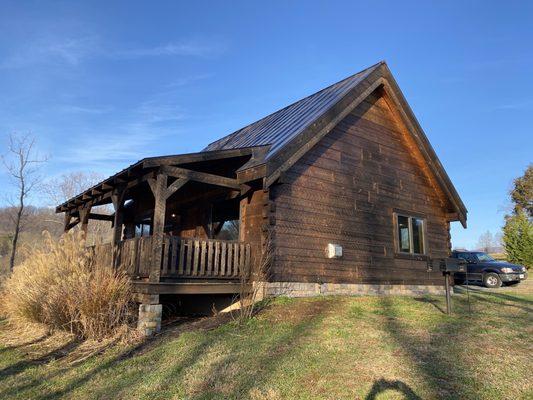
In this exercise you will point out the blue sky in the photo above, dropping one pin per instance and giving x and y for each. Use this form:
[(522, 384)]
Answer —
[(103, 84)]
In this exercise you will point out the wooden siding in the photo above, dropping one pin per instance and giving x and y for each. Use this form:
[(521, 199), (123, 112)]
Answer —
[(254, 215), (344, 191)]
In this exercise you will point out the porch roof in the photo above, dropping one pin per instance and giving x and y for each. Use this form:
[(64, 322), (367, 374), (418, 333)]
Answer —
[(143, 170)]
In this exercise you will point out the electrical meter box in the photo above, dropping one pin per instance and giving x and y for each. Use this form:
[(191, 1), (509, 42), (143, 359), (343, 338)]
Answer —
[(334, 250)]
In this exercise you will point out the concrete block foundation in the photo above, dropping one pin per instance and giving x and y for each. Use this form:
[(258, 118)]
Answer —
[(305, 289)]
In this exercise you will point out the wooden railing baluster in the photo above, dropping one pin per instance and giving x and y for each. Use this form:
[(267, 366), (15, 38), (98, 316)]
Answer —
[(181, 257), (203, 257)]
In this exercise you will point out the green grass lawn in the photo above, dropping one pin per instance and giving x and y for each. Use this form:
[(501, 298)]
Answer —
[(320, 348)]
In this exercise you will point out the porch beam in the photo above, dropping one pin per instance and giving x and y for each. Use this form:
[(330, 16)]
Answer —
[(190, 288), (204, 177), (196, 157), (101, 217)]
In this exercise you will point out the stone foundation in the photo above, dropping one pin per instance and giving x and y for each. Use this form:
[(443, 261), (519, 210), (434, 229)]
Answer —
[(149, 321), (304, 289)]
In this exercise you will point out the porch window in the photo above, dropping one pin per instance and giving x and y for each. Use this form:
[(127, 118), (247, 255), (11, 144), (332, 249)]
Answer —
[(142, 229), (225, 220), (410, 234), (227, 230)]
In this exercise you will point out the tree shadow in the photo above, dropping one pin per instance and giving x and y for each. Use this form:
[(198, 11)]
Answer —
[(434, 302), (281, 349), (426, 358), (383, 385), (501, 299), (486, 298), (248, 376), (32, 342), (171, 331), (55, 354)]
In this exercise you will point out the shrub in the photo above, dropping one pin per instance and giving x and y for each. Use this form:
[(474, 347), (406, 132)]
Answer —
[(63, 286), (518, 239)]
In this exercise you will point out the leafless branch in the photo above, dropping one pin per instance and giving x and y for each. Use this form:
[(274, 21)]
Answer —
[(21, 163)]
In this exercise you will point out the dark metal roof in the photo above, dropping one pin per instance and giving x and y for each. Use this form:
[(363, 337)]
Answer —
[(281, 127)]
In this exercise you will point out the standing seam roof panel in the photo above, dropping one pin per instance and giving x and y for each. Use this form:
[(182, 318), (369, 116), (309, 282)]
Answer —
[(282, 126)]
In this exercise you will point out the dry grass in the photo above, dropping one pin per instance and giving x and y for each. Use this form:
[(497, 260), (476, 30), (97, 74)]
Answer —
[(251, 290), (65, 288)]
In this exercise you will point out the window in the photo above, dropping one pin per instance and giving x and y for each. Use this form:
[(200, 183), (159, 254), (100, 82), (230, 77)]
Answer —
[(410, 234), (227, 230), (142, 229), (225, 223)]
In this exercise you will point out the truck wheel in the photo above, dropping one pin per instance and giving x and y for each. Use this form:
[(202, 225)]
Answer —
[(492, 280)]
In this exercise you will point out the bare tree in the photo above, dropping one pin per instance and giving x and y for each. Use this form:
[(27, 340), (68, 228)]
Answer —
[(22, 163), (66, 186), (486, 241), (63, 188)]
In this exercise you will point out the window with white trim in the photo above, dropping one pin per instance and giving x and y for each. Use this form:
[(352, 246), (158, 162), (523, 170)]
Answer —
[(410, 234)]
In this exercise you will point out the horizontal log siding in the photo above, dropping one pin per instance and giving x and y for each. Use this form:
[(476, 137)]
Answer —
[(254, 212), (344, 191)]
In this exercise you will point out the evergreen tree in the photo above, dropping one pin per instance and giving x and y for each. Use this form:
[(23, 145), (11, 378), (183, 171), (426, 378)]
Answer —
[(518, 239), (518, 229)]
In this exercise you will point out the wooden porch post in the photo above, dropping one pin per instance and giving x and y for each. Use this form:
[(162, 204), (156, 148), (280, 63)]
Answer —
[(159, 189), (84, 219), (161, 193), (117, 198)]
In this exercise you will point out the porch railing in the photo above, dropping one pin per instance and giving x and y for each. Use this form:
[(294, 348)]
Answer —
[(186, 257)]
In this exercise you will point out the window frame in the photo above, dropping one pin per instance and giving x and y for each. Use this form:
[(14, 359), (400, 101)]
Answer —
[(410, 217)]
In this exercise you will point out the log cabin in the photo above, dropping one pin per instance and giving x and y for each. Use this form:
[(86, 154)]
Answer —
[(338, 193)]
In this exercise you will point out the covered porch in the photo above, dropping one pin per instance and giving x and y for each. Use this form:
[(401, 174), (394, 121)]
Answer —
[(186, 224)]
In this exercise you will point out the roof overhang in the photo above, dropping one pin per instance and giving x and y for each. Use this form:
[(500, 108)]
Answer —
[(144, 170)]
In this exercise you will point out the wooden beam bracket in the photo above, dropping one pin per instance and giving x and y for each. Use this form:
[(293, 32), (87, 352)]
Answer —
[(203, 177)]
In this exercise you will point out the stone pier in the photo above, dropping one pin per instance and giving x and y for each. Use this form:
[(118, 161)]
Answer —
[(150, 314)]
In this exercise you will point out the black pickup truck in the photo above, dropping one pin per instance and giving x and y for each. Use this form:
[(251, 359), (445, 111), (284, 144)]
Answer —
[(491, 273)]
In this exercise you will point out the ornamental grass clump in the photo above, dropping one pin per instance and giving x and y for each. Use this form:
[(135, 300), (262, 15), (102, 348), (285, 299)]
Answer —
[(64, 286)]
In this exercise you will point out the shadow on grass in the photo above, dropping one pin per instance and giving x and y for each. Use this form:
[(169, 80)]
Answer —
[(384, 385), (434, 302), (500, 299), (25, 344), (502, 296), (136, 376), (442, 360), (427, 358), (236, 373), (22, 365), (28, 384)]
